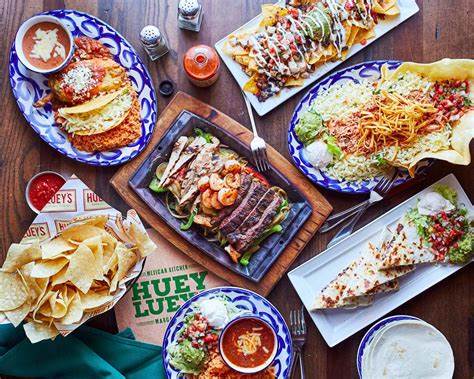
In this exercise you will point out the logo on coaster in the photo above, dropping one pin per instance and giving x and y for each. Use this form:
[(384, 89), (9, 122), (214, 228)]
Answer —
[(37, 231), (62, 201), (92, 202)]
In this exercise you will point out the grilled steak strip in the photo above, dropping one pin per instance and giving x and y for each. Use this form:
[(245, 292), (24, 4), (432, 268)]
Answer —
[(246, 239), (253, 216), (230, 223), (244, 186)]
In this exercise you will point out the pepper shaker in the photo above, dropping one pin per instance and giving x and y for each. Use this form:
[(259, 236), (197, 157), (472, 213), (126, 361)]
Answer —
[(154, 43), (190, 15)]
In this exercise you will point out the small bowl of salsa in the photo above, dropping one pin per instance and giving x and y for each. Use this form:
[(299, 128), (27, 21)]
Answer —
[(41, 188), (248, 344), (43, 44)]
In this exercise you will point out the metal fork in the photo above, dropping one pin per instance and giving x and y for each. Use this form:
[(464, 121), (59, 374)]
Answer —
[(298, 335), (347, 229), (376, 194), (258, 145)]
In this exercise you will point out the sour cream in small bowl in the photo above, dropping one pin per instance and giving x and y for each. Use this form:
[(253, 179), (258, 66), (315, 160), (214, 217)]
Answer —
[(248, 344), (43, 44)]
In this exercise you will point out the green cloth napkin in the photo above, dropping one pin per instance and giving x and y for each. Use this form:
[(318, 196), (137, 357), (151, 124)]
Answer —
[(86, 353)]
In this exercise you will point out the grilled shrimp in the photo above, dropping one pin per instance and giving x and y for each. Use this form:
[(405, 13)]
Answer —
[(232, 180), (206, 198), (203, 183), (215, 182), (227, 196), (232, 166), (215, 201)]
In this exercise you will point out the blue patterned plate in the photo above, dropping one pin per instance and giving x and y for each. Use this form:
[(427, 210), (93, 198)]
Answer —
[(367, 70), (372, 331), (243, 299), (28, 87)]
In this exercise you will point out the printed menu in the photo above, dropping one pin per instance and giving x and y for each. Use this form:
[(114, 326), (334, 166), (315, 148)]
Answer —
[(169, 279)]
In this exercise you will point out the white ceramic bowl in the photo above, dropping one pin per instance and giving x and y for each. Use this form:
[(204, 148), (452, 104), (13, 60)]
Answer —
[(27, 191), (19, 43), (249, 370)]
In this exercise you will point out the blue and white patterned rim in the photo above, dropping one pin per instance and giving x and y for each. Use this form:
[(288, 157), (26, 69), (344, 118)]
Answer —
[(28, 87), (367, 70), (243, 299), (372, 331)]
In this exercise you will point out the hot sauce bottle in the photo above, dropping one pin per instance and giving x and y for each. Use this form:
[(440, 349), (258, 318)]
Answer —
[(201, 64)]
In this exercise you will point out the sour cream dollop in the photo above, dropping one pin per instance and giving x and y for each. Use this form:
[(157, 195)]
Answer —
[(215, 311), (432, 203), (318, 155)]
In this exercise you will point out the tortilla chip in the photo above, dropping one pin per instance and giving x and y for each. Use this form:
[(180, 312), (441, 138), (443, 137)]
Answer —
[(270, 13), (37, 332), (56, 246), (251, 85), (74, 312), (292, 82), (80, 271), (17, 315), (141, 239), (97, 299), (48, 268), (13, 292), (19, 255), (126, 260)]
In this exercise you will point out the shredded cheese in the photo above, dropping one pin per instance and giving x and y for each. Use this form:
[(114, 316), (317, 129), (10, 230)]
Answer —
[(47, 45), (249, 343), (79, 78)]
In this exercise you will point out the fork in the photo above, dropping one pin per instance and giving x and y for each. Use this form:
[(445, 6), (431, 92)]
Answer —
[(376, 194), (349, 227), (258, 145), (298, 335)]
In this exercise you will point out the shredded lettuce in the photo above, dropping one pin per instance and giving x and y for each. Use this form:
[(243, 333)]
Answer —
[(332, 145), (447, 192), (309, 126), (421, 222)]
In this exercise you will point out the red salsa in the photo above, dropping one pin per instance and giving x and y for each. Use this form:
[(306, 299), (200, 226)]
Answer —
[(248, 343), (43, 187)]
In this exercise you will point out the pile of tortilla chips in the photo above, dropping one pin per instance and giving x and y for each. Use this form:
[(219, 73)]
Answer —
[(55, 284), (355, 32)]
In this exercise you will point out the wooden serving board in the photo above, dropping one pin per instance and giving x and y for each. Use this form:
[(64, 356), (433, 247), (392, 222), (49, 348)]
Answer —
[(321, 208)]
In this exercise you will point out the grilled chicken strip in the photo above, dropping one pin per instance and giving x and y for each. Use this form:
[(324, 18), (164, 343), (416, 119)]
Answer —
[(175, 154)]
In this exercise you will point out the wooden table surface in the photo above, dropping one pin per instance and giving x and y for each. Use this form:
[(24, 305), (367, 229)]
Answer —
[(441, 29)]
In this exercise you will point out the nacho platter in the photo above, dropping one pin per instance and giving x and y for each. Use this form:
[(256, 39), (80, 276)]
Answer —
[(310, 278), (407, 8)]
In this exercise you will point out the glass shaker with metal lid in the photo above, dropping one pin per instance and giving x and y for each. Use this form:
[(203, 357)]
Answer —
[(190, 15), (153, 42)]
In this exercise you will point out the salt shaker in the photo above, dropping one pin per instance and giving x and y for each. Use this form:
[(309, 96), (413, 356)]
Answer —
[(153, 42), (190, 15)]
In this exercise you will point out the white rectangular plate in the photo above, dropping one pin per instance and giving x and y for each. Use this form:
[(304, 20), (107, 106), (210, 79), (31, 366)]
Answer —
[(407, 9), (308, 279)]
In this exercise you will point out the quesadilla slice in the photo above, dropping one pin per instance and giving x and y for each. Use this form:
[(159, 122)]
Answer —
[(366, 300), (404, 247), (361, 278)]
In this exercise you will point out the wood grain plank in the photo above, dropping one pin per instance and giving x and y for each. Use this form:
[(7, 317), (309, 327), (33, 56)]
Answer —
[(321, 207)]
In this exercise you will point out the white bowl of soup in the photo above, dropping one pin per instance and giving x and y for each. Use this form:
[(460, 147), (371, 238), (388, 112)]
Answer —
[(248, 344), (43, 44)]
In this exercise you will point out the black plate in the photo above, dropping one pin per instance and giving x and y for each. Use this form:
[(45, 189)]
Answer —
[(270, 249)]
